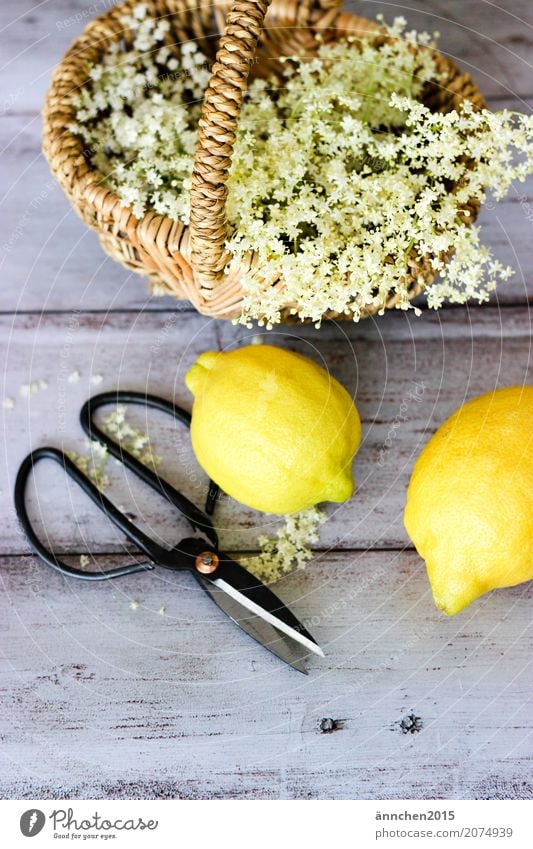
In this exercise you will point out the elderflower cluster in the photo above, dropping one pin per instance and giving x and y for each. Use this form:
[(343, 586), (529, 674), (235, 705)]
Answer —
[(341, 178), (139, 114), (290, 549)]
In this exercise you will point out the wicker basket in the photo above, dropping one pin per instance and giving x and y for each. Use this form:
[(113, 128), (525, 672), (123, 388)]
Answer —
[(191, 262)]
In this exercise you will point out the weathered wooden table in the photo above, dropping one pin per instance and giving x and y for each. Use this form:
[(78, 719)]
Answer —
[(101, 698)]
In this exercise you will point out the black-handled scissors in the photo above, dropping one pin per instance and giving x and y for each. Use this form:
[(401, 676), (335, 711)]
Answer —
[(254, 607)]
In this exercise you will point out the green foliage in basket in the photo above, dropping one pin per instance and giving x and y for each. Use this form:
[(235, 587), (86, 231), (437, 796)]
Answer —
[(338, 176)]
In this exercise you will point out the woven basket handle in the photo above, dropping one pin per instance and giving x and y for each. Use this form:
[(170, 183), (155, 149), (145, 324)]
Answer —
[(216, 138)]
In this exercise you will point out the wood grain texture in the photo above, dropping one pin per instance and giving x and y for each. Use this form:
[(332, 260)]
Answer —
[(99, 700), (407, 375)]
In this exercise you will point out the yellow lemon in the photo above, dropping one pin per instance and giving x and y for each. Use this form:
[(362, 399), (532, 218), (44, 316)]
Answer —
[(272, 428), (470, 500)]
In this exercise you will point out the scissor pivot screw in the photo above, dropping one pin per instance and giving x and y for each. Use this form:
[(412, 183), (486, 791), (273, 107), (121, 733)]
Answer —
[(206, 562)]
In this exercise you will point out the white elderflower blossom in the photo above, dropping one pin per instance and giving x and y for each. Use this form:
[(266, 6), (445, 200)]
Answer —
[(340, 179), (134, 441), (93, 463)]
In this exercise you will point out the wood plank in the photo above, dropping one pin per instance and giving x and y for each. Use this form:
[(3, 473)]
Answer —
[(406, 373), (102, 701), (492, 42)]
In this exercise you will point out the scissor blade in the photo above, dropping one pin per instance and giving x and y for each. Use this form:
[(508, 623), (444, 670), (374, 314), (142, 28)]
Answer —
[(244, 588), (275, 641)]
